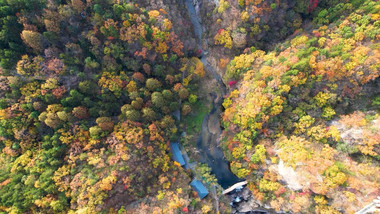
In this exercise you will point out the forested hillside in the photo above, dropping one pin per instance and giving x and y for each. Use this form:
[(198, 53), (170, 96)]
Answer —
[(87, 95), (92, 92), (302, 125)]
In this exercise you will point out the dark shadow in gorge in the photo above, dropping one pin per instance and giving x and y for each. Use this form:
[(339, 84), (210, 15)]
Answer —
[(209, 139), (208, 144)]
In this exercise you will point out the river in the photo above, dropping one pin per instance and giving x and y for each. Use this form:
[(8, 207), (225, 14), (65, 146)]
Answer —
[(209, 140)]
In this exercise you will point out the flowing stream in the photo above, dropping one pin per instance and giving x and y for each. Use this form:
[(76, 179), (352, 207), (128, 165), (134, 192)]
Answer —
[(208, 142), (209, 139)]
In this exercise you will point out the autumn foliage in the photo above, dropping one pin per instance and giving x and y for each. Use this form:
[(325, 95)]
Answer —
[(281, 112), (86, 114)]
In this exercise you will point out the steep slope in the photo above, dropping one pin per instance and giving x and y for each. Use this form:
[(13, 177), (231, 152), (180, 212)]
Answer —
[(279, 133)]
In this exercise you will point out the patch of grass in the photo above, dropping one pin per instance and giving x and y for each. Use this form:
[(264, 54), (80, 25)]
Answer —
[(193, 122)]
